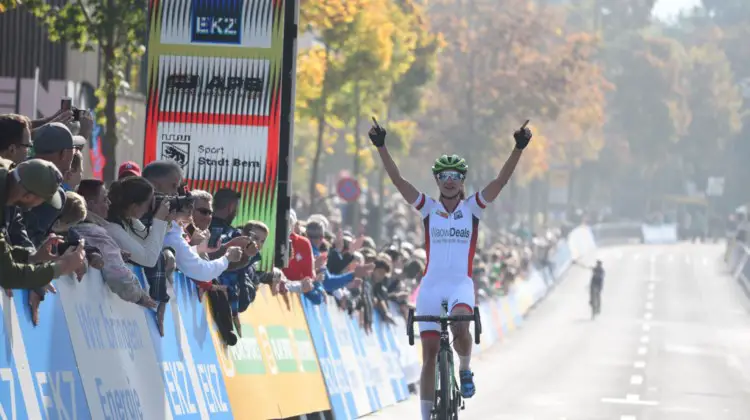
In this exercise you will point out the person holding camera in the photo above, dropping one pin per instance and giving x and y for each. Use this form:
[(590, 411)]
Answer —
[(28, 185), (131, 198), (187, 256), (115, 272)]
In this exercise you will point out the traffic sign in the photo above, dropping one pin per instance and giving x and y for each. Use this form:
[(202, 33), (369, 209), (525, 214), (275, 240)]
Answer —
[(348, 189)]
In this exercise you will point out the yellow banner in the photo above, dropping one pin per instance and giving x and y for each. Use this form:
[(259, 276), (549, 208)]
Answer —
[(272, 372)]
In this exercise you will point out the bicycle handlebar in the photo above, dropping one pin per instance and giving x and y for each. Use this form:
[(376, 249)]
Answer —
[(449, 318)]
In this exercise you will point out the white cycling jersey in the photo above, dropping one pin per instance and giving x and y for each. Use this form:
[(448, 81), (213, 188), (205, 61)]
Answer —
[(450, 238)]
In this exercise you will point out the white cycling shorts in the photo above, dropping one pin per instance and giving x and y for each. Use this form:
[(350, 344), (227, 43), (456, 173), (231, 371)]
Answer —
[(432, 293)]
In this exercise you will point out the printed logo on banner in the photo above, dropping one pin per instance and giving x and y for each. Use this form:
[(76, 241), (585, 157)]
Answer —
[(178, 152), (48, 353), (216, 85), (216, 22), (216, 151), (107, 331), (195, 85)]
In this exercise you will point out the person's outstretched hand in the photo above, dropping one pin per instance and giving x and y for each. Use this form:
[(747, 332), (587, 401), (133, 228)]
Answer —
[(377, 134), (522, 136)]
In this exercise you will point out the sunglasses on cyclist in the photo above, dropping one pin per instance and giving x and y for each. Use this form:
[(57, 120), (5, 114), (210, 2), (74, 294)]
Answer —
[(455, 176)]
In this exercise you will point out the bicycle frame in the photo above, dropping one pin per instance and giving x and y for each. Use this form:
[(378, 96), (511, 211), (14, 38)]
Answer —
[(447, 396)]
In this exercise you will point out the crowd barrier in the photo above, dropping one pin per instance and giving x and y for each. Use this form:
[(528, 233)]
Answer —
[(660, 234), (96, 356), (738, 258)]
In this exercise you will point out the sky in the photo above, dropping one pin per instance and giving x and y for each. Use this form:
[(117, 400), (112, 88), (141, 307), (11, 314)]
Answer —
[(665, 9)]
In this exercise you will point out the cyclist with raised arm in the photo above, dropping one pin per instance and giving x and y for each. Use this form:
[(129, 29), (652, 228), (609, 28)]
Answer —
[(596, 285), (451, 227)]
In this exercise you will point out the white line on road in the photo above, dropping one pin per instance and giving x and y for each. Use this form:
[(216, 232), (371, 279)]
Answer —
[(649, 306), (629, 399), (644, 339), (646, 327), (671, 257), (636, 380), (640, 364), (648, 315), (642, 350), (627, 418), (650, 295)]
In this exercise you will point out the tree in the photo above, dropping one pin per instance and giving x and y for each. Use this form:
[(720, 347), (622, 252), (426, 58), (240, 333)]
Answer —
[(118, 29)]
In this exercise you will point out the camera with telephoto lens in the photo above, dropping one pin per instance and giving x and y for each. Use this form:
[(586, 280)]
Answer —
[(183, 201)]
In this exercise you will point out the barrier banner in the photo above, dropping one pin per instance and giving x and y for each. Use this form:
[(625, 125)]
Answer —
[(272, 371), (218, 96), (407, 356), (659, 234), (336, 377), (114, 352), (389, 349), (187, 356), (388, 382), (38, 373)]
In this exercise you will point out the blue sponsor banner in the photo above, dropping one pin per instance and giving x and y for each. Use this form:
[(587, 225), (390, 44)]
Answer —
[(192, 375), (329, 357), (12, 401), (51, 361), (387, 340), (366, 365)]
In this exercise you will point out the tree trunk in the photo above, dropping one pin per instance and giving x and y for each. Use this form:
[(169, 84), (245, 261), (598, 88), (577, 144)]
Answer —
[(319, 144), (109, 145), (357, 165)]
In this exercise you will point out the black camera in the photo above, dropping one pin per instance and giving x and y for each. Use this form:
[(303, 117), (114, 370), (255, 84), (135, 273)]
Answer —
[(183, 201)]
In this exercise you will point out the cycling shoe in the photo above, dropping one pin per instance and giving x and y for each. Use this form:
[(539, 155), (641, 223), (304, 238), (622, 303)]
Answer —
[(467, 383)]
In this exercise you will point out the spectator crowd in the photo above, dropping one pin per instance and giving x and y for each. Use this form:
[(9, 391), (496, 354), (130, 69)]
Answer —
[(54, 223)]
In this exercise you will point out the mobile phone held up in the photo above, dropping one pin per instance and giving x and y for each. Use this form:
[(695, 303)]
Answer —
[(66, 104)]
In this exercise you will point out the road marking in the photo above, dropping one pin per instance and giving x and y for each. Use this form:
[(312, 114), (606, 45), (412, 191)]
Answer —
[(644, 339), (629, 399), (648, 315), (627, 418), (646, 327), (636, 380), (649, 306), (642, 350), (650, 295), (640, 364)]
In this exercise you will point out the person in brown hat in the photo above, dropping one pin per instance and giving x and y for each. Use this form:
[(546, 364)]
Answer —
[(31, 184)]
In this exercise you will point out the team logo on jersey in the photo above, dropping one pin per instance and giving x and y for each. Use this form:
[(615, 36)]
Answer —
[(458, 215), (442, 214)]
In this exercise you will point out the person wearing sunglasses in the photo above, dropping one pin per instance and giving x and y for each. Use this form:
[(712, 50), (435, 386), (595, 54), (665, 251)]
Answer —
[(451, 229)]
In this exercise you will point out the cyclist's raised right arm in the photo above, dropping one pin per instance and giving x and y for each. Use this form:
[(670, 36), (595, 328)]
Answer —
[(407, 190), (377, 137)]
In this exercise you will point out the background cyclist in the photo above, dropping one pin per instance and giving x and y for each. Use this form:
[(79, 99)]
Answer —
[(450, 229), (597, 281)]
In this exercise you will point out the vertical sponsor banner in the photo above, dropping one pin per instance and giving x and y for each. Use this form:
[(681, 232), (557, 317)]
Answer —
[(337, 380), (272, 371), (187, 357), (38, 373), (49, 359), (408, 355), (113, 348), (216, 83), (388, 350)]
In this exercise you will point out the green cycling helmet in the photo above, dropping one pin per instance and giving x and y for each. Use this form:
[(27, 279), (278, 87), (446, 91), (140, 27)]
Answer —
[(452, 162)]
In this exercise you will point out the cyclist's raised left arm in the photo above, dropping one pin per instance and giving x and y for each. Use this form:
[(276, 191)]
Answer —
[(522, 137), (492, 190)]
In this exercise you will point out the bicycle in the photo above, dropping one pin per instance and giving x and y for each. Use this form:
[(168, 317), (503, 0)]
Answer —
[(447, 392)]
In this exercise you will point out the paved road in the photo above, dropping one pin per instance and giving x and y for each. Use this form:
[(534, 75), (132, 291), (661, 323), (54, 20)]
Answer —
[(672, 343)]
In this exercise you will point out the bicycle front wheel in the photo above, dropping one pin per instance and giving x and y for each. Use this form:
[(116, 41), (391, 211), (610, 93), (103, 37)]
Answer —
[(444, 367)]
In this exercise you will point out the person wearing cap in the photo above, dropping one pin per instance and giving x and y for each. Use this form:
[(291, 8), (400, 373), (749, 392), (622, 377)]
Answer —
[(128, 168), (55, 143), (30, 184)]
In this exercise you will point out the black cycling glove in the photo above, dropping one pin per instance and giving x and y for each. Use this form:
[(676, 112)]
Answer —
[(377, 135), (522, 137)]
